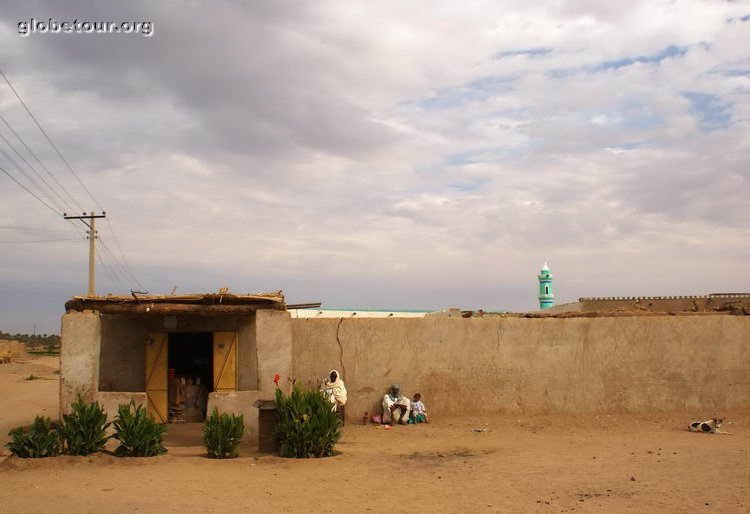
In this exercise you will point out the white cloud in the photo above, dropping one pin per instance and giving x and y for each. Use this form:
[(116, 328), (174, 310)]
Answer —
[(359, 153)]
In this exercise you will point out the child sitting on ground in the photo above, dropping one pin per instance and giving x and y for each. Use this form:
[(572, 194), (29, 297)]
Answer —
[(418, 412)]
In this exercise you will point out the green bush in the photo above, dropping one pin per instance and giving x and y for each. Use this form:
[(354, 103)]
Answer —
[(138, 433), (83, 431), (222, 434), (40, 441), (307, 425)]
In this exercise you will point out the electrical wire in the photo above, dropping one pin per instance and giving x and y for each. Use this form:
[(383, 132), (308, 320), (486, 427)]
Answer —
[(31, 115), (115, 280), (39, 176), (122, 254), (41, 163), (29, 191), (28, 228), (31, 180), (39, 241), (126, 266), (117, 264)]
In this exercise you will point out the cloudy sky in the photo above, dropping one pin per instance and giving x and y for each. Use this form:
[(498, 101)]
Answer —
[(381, 154)]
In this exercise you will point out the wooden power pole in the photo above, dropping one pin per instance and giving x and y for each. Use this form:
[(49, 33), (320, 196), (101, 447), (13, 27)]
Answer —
[(91, 224)]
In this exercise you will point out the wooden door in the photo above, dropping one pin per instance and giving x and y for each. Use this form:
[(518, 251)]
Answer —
[(156, 375), (225, 361)]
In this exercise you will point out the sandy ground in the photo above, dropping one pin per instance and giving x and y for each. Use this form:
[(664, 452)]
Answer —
[(605, 463), (21, 399)]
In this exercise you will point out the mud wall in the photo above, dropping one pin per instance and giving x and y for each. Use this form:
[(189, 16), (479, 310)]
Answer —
[(666, 303), (699, 363)]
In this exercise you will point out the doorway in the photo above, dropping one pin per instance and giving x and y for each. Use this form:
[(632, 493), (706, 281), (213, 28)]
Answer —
[(190, 370), (183, 368)]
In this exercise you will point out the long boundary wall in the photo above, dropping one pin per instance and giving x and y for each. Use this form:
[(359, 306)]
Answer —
[(714, 302), (699, 363)]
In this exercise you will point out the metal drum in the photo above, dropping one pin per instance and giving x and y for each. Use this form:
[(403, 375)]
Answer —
[(268, 419)]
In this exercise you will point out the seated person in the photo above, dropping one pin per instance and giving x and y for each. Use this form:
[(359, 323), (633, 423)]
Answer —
[(333, 388), (418, 412), (396, 406)]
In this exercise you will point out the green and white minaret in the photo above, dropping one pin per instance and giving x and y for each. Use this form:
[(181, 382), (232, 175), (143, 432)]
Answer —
[(546, 298)]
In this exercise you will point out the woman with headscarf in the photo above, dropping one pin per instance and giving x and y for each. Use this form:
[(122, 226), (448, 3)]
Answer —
[(334, 389)]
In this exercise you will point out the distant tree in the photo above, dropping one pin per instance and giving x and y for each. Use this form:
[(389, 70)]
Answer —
[(45, 339)]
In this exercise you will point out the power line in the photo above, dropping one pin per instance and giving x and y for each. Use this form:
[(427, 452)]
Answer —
[(39, 241), (114, 279), (115, 283), (90, 221), (32, 168), (40, 162), (72, 171), (50, 141), (28, 191), (122, 254), (125, 268), (28, 228), (31, 180), (127, 275), (78, 229), (126, 265)]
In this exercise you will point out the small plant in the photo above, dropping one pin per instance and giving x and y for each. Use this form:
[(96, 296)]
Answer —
[(222, 434), (83, 431), (33, 377), (40, 441), (307, 425), (138, 433)]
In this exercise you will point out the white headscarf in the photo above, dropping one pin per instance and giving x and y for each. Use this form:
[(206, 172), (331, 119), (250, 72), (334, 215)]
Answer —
[(335, 389)]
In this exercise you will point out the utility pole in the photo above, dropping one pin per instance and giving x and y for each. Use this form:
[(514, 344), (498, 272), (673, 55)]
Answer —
[(91, 224)]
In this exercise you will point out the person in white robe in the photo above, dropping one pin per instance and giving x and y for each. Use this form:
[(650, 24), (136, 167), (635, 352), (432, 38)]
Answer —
[(334, 389), (396, 406)]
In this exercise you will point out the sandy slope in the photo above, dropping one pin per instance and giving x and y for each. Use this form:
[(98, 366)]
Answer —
[(614, 463), (21, 399)]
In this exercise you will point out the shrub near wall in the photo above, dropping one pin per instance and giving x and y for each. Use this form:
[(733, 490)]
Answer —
[(308, 427), (83, 431), (139, 434), (41, 440), (222, 434)]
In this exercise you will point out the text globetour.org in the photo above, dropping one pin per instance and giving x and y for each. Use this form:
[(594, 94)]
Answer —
[(52, 26)]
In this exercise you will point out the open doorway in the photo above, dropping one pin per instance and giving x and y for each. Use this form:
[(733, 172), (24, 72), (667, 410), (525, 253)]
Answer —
[(190, 365)]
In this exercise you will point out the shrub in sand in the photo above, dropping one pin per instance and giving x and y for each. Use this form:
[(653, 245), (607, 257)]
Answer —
[(83, 431), (308, 427), (40, 441), (138, 433), (222, 434)]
